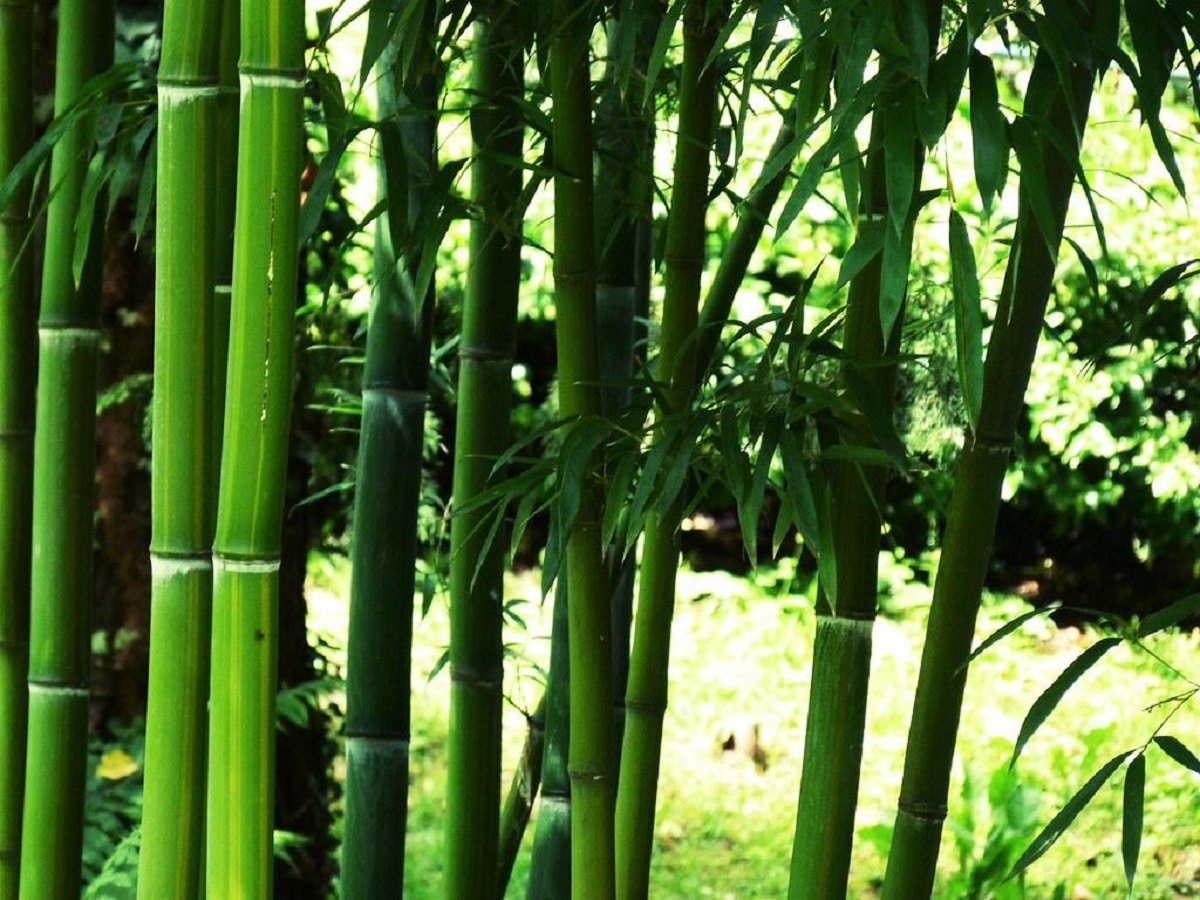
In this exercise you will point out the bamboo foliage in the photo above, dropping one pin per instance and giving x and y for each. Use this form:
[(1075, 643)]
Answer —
[(182, 463), (388, 487), (1057, 113), (18, 373), (254, 452), (63, 489), (484, 400)]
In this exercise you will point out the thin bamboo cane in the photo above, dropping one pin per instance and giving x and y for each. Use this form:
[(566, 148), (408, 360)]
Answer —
[(522, 790), (646, 695), (182, 463), (387, 501), (484, 401), (590, 633), (63, 490), (550, 865), (18, 378), (971, 522), (254, 453)]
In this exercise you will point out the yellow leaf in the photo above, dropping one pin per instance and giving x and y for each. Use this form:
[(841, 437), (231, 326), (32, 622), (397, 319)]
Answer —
[(115, 765)]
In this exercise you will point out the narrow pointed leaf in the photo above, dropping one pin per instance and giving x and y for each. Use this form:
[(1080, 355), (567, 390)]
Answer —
[(968, 319), (1132, 812)]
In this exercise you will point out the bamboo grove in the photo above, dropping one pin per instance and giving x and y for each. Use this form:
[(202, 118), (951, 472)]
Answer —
[(653, 232)]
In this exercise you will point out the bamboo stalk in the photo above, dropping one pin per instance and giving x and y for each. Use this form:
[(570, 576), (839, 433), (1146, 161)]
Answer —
[(254, 453), (387, 501), (484, 401), (522, 790), (182, 464), (63, 489), (550, 865), (590, 752), (18, 379), (971, 522), (646, 696)]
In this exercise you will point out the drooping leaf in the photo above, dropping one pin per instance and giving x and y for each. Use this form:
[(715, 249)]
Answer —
[(1178, 751), (946, 77), (866, 247), (1132, 811), (658, 53), (968, 318), (899, 159), (1006, 629), (989, 137), (1065, 816), (1049, 699), (893, 277), (1035, 193)]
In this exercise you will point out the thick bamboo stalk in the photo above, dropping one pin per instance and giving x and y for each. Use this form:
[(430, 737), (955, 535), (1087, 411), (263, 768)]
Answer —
[(254, 453), (590, 633), (182, 463), (18, 378), (550, 865), (386, 503), (971, 522), (484, 400), (63, 489), (646, 695)]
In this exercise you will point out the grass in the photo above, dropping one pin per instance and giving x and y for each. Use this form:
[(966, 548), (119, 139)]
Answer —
[(740, 663)]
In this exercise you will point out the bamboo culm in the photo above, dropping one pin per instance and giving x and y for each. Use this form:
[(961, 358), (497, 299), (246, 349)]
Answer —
[(387, 500), (182, 460), (246, 547), (18, 378), (646, 694), (975, 504), (63, 485), (590, 621)]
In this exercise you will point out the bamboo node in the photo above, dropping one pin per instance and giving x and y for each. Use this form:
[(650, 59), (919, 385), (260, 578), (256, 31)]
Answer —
[(654, 707), (275, 79), (245, 564), (164, 565), (923, 813)]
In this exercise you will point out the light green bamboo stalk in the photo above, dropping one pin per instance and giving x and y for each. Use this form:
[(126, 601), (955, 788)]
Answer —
[(63, 489), (246, 548), (18, 378), (388, 494), (484, 401), (590, 625), (971, 522), (182, 462), (646, 696)]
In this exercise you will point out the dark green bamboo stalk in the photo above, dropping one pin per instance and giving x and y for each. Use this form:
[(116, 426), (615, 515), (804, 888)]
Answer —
[(550, 866), (646, 696), (625, 147), (246, 548), (590, 632), (18, 378), (182, 464), (387, 499), (484, 400), (971, 522), (63, 490), (518, 802)]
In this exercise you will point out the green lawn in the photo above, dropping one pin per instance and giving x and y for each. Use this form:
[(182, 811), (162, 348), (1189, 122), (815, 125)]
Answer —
[(740, 660)]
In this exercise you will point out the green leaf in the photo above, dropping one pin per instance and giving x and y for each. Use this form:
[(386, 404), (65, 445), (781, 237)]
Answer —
[(945, 85), (1006, 629), (1132, 811), (878, 413), (1034, 190), (1065, 816), (914, 29), (750, 504), (1176, 749), (799, 491), (989, 139), (968, 318), (893, 277), (1171, 615), (658, 53), (899, 159), (575, 465), (314, 203), (867, 246), (88, 220), (1045, 704)]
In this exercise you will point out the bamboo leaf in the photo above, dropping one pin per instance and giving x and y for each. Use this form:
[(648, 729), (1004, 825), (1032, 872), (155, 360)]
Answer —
[(915, 31), (877, 411), (574, 463), (945, 86), (989, 138), (1065, 816), (799, 492), (1045, 704), (893, 277), (1006, 629), (750, 505), (86, 220), (1171, 615), (867, 246), (314, 203), (968, 318), (900, 160), (658, 53), (1176, 749), (1132, 812), (1034, 190)]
